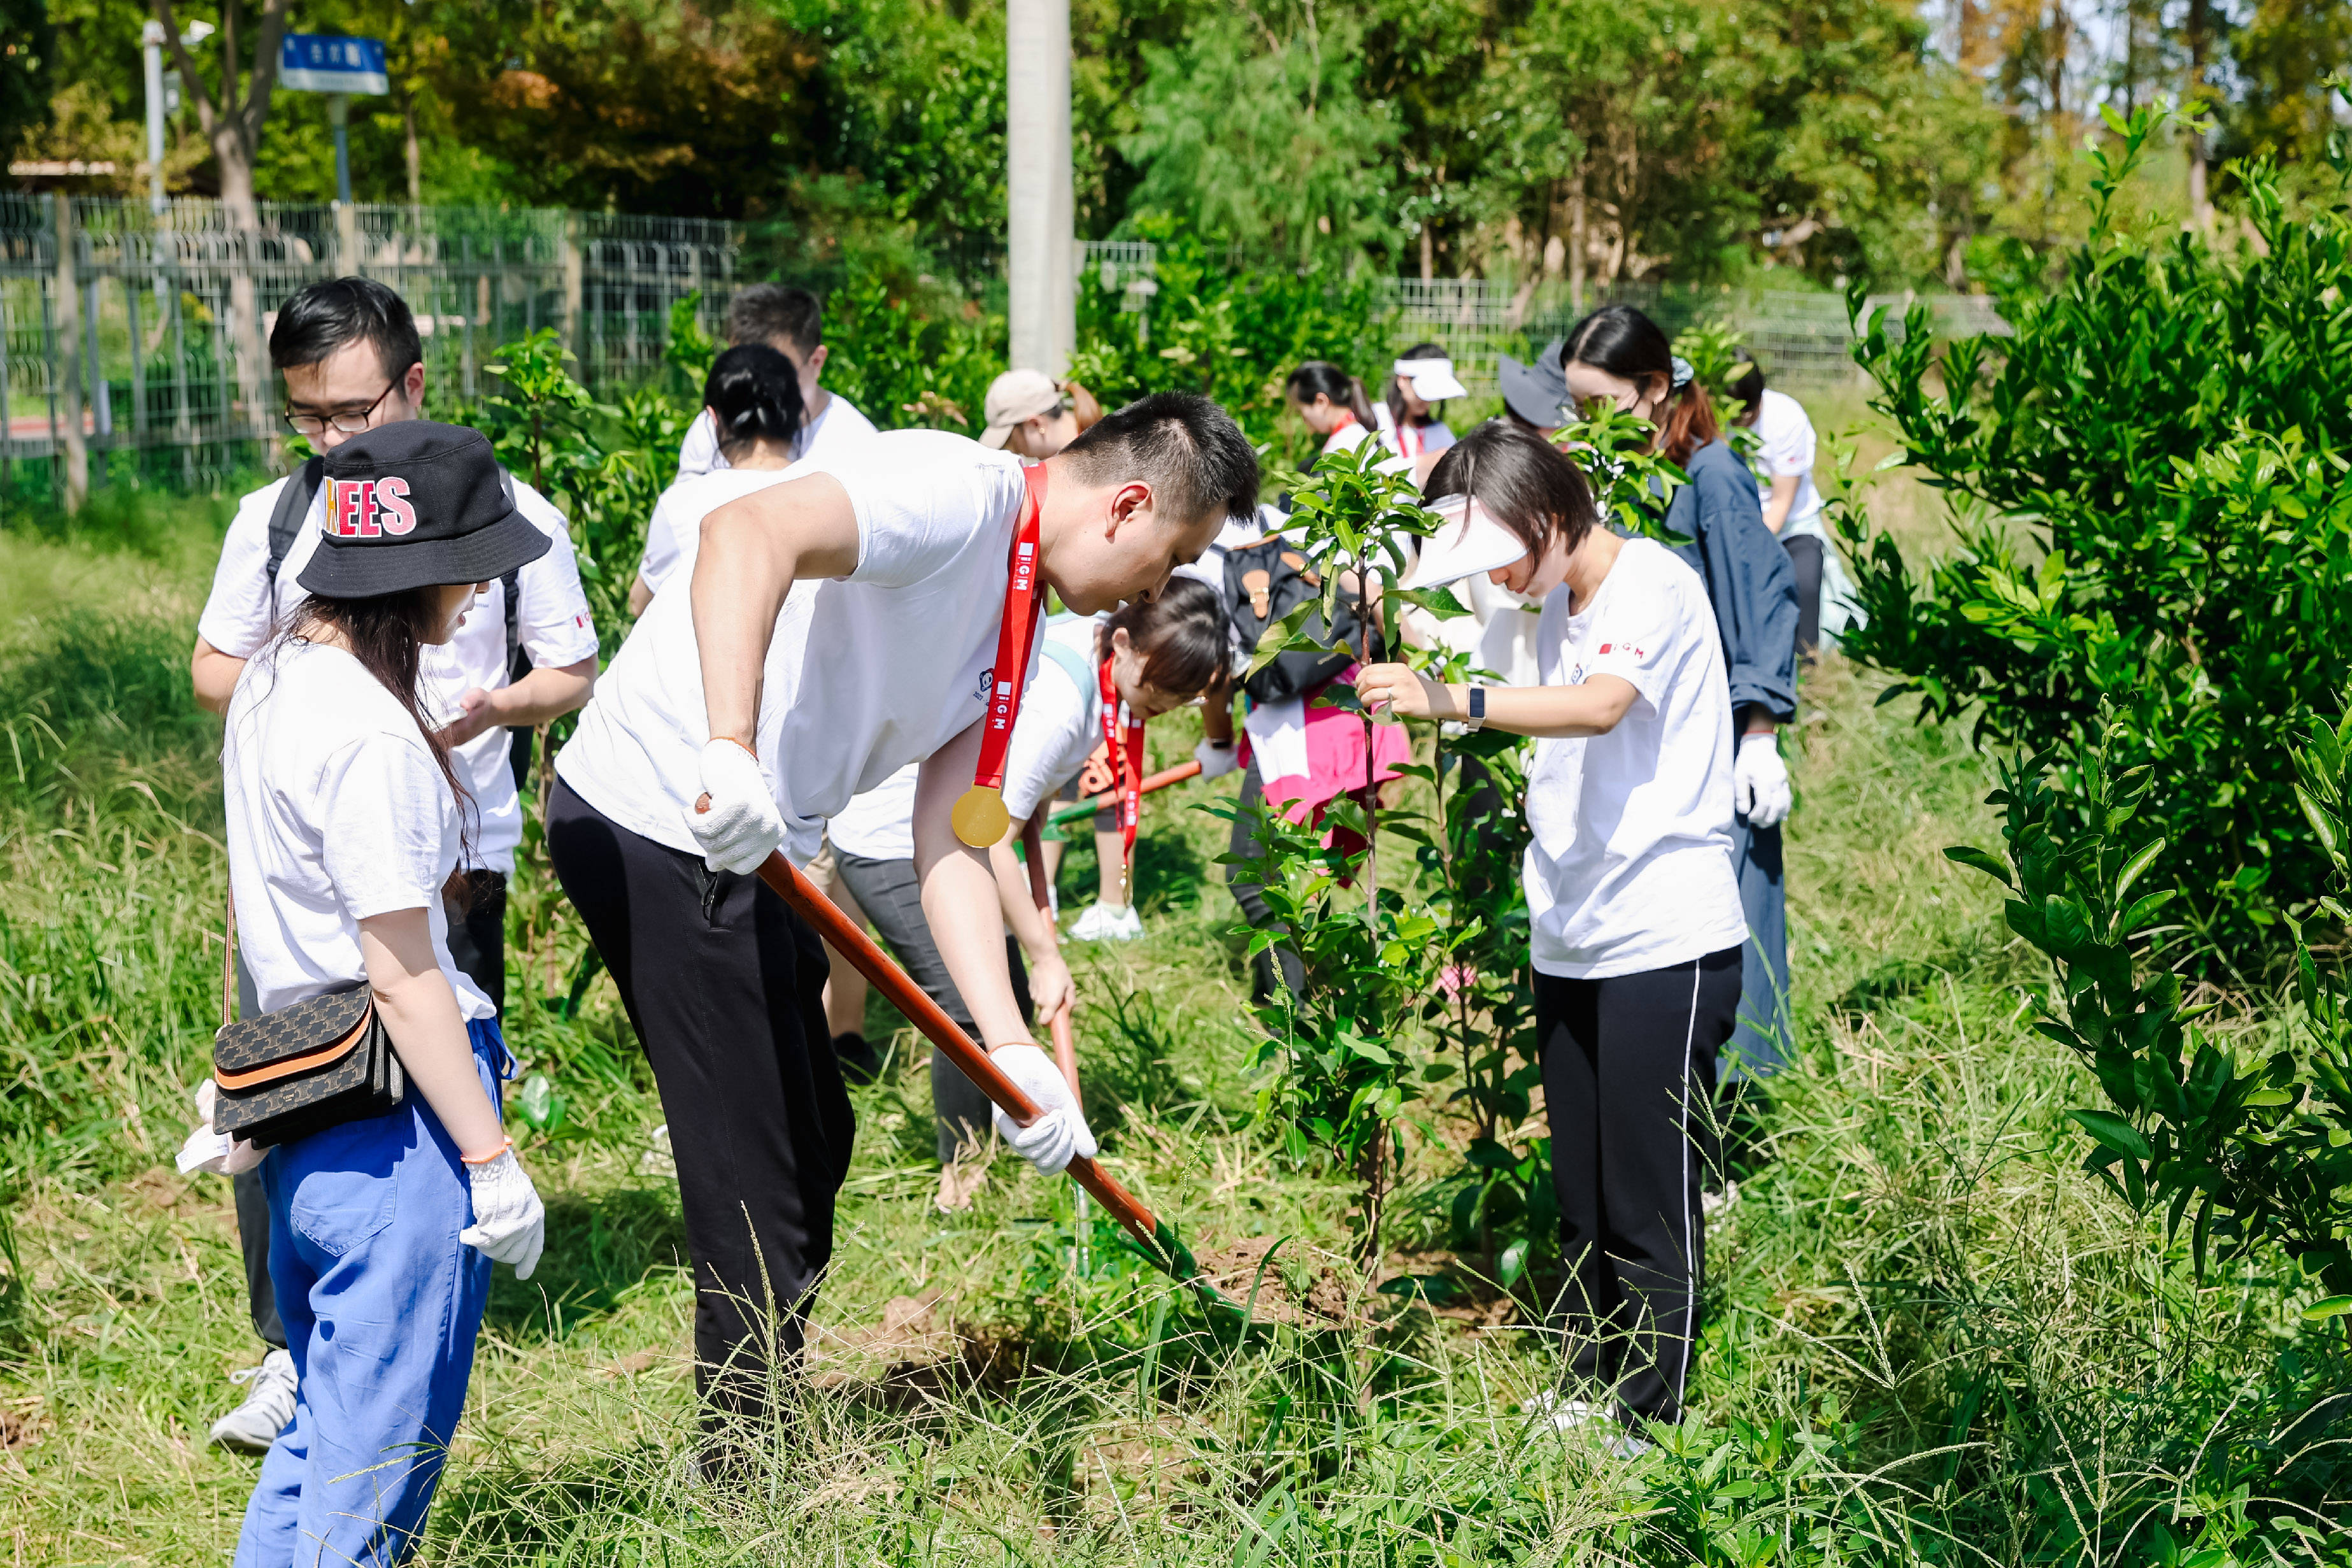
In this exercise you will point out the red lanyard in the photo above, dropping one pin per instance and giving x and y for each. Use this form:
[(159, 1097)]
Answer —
[(980, 818), (1404, 425), (1127, 761)]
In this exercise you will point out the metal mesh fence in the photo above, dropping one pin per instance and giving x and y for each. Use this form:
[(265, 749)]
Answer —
[(152, 328)]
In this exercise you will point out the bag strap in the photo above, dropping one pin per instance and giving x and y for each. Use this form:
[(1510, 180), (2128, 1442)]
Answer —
[(228, 956), (1073, 666), (294, 499)]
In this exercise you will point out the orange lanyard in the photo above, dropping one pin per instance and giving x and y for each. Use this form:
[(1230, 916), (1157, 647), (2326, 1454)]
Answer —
[(980, 818)]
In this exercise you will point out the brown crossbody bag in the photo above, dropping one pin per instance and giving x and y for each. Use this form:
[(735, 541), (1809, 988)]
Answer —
[(301, 1068)]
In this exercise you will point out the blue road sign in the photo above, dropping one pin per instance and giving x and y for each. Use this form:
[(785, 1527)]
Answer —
[(318, 62)]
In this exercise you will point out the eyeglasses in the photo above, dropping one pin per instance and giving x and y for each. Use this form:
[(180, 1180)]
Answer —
[(347, 424)]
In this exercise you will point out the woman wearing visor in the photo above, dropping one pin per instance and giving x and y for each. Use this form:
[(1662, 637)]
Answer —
[(1633, 909), (1412, 415)]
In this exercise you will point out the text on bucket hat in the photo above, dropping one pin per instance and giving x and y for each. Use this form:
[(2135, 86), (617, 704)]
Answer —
[(412, 504)]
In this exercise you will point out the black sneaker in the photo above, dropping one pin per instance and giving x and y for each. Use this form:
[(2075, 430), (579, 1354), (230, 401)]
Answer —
[(860, 1062)]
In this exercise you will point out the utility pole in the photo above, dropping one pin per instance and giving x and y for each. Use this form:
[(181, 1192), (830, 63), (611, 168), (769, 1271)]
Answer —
[(338, 115), (152, 39), (1044, 295)]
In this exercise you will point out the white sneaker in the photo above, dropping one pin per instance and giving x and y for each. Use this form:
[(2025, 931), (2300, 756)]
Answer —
[(1583, 1419), (269, 1405), (1100, 922)]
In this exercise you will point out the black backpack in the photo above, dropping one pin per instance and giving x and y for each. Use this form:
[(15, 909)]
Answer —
[(294, 505), (1264, 583)]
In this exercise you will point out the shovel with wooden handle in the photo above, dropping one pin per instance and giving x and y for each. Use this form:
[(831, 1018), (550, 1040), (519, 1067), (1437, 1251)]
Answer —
[(1110, 797), (1158, 1238)]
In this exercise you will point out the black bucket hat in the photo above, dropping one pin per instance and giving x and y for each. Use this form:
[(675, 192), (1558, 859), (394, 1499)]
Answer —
[(413, 504)]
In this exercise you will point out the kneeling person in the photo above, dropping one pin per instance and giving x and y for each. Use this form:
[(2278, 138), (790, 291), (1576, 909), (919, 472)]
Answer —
[(837, 627)]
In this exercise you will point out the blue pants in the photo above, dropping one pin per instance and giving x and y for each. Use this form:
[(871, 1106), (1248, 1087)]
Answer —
[(1762, 1043), (382, 1304)]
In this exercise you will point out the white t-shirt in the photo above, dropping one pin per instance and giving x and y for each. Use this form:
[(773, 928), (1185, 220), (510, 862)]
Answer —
[(552, 622), (864, 675), (1628, 865), (841, 423), (1498, 634), (1787, 448), (1058, 729), (336, 811), (676, 531)]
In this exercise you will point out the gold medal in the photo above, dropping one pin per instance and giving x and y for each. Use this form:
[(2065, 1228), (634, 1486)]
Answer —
[(980, 817)]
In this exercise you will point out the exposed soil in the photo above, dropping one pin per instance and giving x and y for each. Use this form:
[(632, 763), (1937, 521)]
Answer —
[(1331, 1298)]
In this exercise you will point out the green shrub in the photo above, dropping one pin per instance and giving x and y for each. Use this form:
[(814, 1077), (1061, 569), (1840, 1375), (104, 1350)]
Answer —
[(2149, 479)]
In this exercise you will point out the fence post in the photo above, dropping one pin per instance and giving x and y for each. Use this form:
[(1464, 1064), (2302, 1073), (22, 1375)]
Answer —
[(568, 258), (68, 339)]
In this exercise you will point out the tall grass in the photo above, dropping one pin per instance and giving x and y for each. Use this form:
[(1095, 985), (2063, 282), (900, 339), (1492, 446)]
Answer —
[(1929, 1337)]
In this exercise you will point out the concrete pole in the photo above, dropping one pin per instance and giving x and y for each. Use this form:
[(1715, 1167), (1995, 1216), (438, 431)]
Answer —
[(1043, 294), (152, 38), (66, 346), (338, 115)]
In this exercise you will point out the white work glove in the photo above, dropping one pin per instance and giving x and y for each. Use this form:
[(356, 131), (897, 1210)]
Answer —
[(742, 826), (217, 1152), (1217, 758), (1759, 779), (509, 1222), (1051, 1141)]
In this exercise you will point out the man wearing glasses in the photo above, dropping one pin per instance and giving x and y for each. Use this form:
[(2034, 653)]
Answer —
[(351, 360)]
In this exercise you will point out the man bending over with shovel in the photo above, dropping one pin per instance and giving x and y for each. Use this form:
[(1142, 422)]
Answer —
[(882, 608)]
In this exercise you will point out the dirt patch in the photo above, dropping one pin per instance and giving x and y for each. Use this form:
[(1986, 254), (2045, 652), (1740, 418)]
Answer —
[(1302, 1288), (17, 1430), (635, 1363), (914, 1355)]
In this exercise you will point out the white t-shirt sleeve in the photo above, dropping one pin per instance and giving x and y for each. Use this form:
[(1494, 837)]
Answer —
[(665, 542), (1638, 638), (237, 617), (1787, 435), (698, 453), (383, 835), (552, 621), (1055, 721), (919, 503)]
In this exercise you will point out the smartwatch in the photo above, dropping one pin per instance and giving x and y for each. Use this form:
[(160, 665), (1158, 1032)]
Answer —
[(1478, 708)]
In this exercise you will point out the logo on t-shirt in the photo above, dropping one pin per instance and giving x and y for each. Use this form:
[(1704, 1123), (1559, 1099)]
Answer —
[(979, 692), (368, 509)]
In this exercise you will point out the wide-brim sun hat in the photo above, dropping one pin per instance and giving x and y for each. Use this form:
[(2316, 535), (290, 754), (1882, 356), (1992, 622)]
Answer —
[(414, 505), (1537, 392), (1432, 380), (1013, 397), (1468, 543)]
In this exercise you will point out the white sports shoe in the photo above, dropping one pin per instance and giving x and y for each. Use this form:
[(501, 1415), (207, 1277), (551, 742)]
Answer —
[(1583, 1418), (1100, 922), (269, 1405)]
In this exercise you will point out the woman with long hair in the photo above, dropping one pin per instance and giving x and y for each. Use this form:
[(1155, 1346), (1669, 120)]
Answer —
[(1617, 357), (1412, 414), (1333, 405), (346, 819), (1634, 912)]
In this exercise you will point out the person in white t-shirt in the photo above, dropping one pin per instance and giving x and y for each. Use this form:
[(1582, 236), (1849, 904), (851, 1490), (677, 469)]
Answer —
[(346, 811), (837, 627), (1333, 405), (1783, 462), (1632, 904), (352, 361), (1411, 416), (791, 321), (1156, 656)]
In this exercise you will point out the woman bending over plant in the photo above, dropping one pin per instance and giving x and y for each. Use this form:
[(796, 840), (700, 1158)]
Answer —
[(1632, 906)]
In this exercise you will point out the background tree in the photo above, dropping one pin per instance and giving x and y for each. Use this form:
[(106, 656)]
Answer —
[(28, 58)]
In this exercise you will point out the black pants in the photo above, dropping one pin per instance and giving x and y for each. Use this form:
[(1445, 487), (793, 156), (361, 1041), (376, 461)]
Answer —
[(1805, 556), (477, 945), (892, 900), (725, 986), (1629, 1087), (1251, 895)]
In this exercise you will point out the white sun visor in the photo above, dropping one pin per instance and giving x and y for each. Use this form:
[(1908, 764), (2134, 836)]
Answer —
[(1470, 542), (1432, 380)]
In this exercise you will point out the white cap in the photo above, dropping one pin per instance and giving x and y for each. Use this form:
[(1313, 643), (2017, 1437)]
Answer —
[(1432, 379), (1017, 396), (1468, 543)]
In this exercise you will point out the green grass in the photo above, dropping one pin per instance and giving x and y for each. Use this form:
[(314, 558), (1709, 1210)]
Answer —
[(1931, 1337)]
